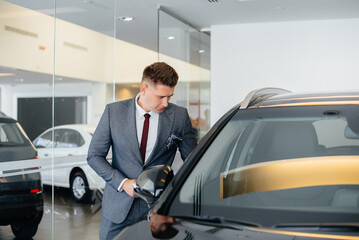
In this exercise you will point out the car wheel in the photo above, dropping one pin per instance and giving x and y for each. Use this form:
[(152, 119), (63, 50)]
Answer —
[(24, 231), (79, 187)]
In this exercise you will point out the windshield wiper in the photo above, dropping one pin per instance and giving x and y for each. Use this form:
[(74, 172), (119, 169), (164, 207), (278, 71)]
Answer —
[(218, 221)]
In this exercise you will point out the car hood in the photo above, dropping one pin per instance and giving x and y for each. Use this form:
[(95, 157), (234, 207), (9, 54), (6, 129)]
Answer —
[(187, 229)]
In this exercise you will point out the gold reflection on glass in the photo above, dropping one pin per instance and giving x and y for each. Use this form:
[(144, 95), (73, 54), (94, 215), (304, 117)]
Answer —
[(6, 74), (306, 235), (288, 174)]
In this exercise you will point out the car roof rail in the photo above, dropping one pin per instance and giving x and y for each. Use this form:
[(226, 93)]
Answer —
[(260, 95)]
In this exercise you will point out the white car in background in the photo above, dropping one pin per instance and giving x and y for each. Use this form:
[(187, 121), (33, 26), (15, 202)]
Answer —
[(69, 148)]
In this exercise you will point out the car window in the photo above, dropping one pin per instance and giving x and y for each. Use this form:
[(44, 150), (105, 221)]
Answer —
[(10, 135), (70, 139), (45, 140), (331, 137), (278, 159)]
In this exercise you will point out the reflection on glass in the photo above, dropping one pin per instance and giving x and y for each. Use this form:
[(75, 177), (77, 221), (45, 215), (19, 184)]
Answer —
[(66, 73), (269, 163), (188, 51), (55, 75), (20, 184), (162, 226)]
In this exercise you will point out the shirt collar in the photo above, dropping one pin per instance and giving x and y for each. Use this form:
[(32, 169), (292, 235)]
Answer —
[(140, 111)]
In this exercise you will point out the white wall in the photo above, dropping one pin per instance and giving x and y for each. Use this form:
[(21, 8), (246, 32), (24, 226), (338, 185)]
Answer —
[(94, 92), (298, 56)]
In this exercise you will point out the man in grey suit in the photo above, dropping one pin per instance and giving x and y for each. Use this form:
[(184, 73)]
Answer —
[(143, 131)]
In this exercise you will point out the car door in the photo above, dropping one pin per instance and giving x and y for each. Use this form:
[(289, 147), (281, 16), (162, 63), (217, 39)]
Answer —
[(44, 145), (67, 154)]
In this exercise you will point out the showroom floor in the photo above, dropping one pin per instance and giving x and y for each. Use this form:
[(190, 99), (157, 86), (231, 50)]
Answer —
[(72, 220)]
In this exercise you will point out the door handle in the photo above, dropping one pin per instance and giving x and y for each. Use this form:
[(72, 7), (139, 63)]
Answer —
[(69, 154)]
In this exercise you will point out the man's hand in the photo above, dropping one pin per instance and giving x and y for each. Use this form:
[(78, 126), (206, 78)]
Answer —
[(128, 188)]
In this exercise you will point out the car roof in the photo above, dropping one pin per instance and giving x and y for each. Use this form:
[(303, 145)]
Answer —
[(275, 97), (6, 118), (86, 127)]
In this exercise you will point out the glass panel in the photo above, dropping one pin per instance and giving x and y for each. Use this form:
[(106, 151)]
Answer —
[(46, 140), (70, 139), (26, 67), (45, 86), (10, 135), (61, 66), (280, 161), (188, 51), (86, 57)]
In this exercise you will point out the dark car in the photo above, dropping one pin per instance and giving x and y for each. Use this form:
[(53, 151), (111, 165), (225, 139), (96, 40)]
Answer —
[(277, 166), (21, 200)]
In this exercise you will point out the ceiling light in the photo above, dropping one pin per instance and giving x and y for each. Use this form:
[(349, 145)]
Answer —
[(6, 74), (125, 19), (19, 80), (201, 51), (170, 37)]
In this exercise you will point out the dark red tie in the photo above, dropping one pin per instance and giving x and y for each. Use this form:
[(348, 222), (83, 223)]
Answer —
[(146, 125)]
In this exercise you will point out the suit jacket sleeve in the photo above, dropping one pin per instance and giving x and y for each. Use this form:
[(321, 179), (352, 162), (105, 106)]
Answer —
[(189, 140), (98, 150)]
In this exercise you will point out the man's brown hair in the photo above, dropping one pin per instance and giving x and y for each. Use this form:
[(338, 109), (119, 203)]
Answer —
[(160, 72)]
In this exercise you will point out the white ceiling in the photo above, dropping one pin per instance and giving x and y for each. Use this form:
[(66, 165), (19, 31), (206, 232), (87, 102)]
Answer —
[(99, 15), (18, 77)]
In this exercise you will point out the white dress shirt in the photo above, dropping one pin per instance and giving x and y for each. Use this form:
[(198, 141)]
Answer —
[(152, 131)]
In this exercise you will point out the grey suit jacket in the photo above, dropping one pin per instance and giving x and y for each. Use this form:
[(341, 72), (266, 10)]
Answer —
[(117, 128)]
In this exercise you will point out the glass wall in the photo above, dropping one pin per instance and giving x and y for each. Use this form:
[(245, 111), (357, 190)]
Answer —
[(61, 62), (188, 51)]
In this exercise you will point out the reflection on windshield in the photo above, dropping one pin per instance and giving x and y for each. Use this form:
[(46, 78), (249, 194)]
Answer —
[(278, 159), (268, 176), (162, 226)]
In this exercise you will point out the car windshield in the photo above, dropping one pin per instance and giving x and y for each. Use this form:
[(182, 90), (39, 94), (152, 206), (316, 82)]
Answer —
[(11, 136), (279, 166)]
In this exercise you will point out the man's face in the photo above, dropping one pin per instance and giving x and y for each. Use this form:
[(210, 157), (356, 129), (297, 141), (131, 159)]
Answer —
[(155, 97), (159, 223)]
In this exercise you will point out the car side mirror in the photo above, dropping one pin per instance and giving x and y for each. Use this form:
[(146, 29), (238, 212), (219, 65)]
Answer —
[(151, 183)]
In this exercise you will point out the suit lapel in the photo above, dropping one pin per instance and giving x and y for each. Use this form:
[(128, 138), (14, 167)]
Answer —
[(165, 122), (131, 130)]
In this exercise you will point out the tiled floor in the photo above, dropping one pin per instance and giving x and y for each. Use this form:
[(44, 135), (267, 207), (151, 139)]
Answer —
[(72, 220)]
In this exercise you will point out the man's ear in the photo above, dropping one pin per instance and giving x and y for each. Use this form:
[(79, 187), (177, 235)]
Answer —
[(143, 88)]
